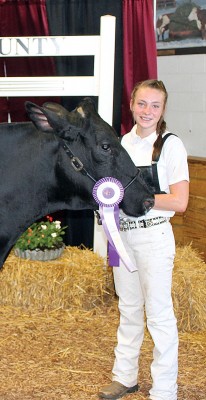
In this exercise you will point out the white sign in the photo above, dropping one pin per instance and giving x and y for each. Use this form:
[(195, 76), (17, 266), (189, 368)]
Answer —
[(48, 46)]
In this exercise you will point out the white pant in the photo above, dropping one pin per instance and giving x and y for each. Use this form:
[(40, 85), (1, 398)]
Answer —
[(152, 249)]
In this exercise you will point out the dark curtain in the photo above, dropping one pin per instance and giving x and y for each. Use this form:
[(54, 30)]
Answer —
[(23, 18), (139, 51), (77, 17)]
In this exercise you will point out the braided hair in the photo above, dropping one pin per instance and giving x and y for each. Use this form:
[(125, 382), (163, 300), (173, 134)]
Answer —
[(161, 125)]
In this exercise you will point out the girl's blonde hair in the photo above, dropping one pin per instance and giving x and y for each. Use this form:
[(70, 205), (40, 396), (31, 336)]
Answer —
[(161, 125)]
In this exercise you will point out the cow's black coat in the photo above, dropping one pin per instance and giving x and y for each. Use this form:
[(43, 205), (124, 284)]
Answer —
[(36, 173)]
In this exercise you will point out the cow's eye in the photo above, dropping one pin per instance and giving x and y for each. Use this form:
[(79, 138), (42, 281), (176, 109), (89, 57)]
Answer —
[(105, 146)]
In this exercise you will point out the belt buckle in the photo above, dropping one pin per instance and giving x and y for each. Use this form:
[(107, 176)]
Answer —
[(149, 223)]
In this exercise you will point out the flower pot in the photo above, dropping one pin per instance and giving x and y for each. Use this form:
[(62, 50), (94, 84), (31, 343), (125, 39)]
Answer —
[(40, 255)]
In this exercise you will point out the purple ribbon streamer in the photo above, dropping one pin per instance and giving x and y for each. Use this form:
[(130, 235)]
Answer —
[(113, 256)]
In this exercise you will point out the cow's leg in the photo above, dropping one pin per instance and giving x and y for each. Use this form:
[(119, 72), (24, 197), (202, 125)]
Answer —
[(5, 248)]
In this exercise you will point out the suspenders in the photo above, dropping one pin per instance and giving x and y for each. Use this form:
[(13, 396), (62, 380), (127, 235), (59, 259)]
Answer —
[(154, 166), (149, 172), (163, 140)]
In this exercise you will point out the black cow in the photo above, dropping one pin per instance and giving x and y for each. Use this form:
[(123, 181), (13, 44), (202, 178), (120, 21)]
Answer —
[(40, 174)]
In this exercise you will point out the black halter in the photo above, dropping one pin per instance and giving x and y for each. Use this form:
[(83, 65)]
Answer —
[(79, 167), (75, 162)]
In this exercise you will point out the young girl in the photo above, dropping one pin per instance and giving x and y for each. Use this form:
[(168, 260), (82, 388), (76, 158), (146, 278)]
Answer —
[(149, 241)]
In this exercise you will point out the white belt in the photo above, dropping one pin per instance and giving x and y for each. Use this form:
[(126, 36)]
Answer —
[(127, 224)]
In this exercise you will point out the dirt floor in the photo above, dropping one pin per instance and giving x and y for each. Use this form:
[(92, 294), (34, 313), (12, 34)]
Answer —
[(69, 355)]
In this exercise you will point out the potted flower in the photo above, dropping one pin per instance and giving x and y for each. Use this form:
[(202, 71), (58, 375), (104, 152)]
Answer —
[(41, 241)]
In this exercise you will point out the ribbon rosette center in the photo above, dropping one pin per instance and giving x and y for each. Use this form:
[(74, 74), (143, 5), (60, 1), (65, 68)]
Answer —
[(108, 192)]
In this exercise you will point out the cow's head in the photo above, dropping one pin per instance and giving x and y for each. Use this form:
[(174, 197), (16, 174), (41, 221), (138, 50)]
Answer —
[(96, 145)]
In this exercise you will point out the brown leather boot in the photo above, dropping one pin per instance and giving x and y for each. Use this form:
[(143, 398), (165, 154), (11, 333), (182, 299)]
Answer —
[(116, 390)]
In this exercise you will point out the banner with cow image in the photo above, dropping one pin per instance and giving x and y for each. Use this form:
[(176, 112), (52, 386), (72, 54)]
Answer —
[(181, 26)]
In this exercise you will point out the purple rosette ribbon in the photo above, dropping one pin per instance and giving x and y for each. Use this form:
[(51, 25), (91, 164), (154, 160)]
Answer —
[(108, 193)]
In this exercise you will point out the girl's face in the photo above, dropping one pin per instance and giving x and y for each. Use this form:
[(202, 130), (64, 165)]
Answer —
[(147, 108)]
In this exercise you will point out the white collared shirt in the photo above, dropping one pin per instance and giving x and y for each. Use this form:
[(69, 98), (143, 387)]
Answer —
[(172, 166)]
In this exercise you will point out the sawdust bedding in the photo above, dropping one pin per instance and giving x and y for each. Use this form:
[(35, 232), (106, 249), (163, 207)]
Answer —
[(52, 348)]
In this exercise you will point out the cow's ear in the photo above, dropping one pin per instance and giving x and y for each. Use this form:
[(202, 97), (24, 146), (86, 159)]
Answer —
[(87, 108), (52, 117), (55, 107), (38, 117)]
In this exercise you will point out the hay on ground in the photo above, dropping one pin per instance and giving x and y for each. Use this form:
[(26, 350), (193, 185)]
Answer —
[(59, 322), (68, 355)]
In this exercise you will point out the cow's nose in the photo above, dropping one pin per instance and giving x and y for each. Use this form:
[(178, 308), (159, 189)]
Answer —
[(148, 204)]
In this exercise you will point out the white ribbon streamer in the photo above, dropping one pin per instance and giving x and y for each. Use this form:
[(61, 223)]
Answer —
[(108, 219)]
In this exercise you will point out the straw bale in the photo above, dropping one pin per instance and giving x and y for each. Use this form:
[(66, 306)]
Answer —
[(189, 289), (78, 279)]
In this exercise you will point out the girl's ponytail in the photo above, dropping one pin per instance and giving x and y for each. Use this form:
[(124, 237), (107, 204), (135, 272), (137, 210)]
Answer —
[(157, 147)]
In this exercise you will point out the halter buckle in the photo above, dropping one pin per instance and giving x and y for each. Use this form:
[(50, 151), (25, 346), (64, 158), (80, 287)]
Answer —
[(76, 164)]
